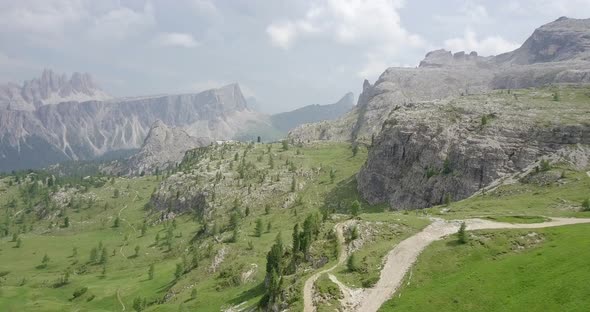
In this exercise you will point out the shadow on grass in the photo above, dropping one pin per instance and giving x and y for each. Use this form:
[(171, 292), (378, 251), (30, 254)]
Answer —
[(340, 198), (248, 294)]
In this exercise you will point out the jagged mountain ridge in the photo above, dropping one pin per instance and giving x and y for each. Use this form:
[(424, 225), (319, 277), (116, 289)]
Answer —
[(555, 53), (50, 88), (163, 147), (73, 131), (312, 113)]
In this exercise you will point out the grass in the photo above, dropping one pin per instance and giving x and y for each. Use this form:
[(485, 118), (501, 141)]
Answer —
[(533, 270)]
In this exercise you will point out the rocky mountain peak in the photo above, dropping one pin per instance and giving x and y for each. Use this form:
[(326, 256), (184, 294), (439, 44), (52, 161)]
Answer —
[(50, 88), (443, 58), (561, 40)]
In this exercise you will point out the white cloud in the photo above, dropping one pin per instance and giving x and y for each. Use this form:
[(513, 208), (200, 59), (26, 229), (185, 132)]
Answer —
[(176, 40), (122, 22), (469, 13), (41, 17), (492, 45), (374, 25)]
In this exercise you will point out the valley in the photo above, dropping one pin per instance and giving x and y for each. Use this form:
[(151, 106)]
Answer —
[(462, 184)]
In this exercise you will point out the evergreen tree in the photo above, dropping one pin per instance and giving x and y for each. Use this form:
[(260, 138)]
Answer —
[(151, 272), (586, 204), (258, 230), (268, 227), (18, 243), (355, 149), (104, 257), (462, 234), (93, 255), (296, 240), (351, 263), (355, 208), (136, 251), (143, 228), (179, 271), (45, 261), (293, 184), (332, 175), (116, 223), (66, 222)]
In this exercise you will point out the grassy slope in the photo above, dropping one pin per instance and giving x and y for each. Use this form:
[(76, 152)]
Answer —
[(491, 274), (127, 276)]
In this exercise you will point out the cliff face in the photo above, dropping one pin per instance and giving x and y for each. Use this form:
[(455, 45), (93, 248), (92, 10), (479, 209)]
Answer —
[(73, 131), (556, 53), (163, 147), (454, 147)]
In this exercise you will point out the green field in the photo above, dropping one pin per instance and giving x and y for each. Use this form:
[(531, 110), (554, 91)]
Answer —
[(533, 270)]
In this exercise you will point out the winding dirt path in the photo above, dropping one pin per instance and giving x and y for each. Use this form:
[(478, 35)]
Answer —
[(120, 301), (401, 258), (308, 305)]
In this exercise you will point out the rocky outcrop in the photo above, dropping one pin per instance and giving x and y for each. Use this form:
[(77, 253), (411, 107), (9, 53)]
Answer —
[(73, 131), (50, 88), (164, 147), (556, 53), (451, 148)]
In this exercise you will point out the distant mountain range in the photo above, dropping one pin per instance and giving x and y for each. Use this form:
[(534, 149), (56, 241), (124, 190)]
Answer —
[(52, 119), (312, 113)]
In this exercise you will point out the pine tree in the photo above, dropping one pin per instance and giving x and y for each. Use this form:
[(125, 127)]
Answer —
[(116, 223), (268, 227), (586, 204), (351, 263), (45, 261), (179, 271), (151, 272), (332, 175), (355, 208), (266, 209), (66, 222), (296, 240), (258, 230), (18, 243), (293, 184), (104, 257), (93, 255), (136, 251), (355, 150), (462, 234), (143, 228)]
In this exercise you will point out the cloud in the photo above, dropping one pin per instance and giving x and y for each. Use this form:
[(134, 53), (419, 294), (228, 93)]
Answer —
[(492, 45), (122, 22), (469, 13), (173, 39), (40, 17), (373, 25)]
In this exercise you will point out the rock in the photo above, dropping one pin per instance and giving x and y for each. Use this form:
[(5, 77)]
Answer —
[(50, 88), (558, 52), (164, 147), (80, 131), (428, 150)]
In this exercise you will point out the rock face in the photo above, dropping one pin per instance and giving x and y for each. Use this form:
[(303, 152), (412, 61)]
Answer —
[(73, 131), (556, 53), (430, 150), (163, 147), (50, 88), (312, 113)]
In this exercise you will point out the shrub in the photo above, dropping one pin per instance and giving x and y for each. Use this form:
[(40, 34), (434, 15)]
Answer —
[(79, 292), (586, 204)]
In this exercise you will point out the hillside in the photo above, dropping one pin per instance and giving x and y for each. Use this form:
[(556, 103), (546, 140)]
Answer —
[(556, 53), (312, 113)]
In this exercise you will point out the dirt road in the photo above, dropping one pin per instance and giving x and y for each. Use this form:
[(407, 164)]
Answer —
[(401, 258), (308, 305)]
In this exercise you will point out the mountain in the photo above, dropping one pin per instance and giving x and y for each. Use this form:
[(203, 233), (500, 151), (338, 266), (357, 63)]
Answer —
[(312, 113), (86, 130), (163, 147), (462, 122), (50, 88), (556, 53)]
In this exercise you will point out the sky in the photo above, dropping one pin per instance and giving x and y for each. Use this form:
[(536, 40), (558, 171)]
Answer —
[(285, 53)]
